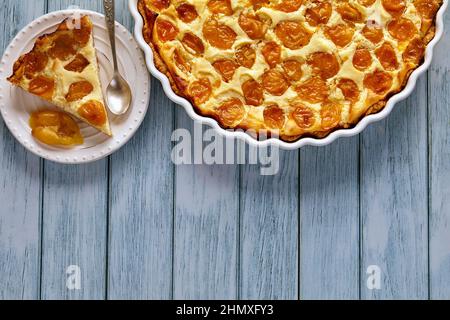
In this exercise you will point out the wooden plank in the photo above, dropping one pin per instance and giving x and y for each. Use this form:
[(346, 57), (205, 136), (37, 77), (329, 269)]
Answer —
[(269, 231), (74, 229), (394, 201), (206, 227), (329, 221), (74, 218), (439, 133), (141, 196), (20, 184), (141, 229)]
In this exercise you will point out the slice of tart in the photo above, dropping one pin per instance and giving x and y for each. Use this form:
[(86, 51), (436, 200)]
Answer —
[(62, 69)]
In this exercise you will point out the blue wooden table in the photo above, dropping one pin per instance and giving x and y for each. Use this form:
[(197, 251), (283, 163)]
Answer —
[(140, 227)]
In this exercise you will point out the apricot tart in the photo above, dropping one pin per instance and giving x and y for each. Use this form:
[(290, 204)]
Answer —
[(295, 67), (62, 69)]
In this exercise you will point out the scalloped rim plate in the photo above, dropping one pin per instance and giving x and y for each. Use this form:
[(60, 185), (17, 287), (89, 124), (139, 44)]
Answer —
[(16, 104), (139, 25)]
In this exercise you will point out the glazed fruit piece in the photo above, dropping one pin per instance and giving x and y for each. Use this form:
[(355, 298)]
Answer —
[(62, 69), (55, 128)]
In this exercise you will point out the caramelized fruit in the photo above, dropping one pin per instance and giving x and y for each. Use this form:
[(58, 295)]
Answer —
[(55, 128), (161, 4), (220, 6), (289, 5), (331, 115), (349, 13), (349, 89), (324, 64), (394, 7), (253, 26), (292, 34), (34, 62), (218, 34), (414, 51), (303, 116), (166, 30), (274, 82), (180, 62), (231, 111), (187, 12), (78, 64), (191, 41), (362, 59), (63, 47), (402, 29), (387, 56), (272, 53), (274, 117), (253, 92), (293, 69), (258, 4), (366, 3), (42, 86), (226, 68), (82, 34), (373, 32), (340, 34), (246, 56), (79, 90), (378, 81), (200, 90), (427, 8), (94, 112), (313, 90), (319, 12)]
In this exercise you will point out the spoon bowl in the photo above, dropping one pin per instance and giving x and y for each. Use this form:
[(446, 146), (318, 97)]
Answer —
[(118, 95)]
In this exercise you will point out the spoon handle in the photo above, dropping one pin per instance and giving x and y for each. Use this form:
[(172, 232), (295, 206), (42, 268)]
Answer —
[(110, 24)]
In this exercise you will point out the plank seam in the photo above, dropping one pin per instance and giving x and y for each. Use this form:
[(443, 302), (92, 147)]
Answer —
[(299, 226), (174, 199), (41, 208), (429, 198), (107, 233), (41, 226), (239, 235), (360, 229)]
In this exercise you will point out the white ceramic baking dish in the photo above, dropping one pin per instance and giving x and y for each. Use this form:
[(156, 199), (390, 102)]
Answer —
[(139, 24)]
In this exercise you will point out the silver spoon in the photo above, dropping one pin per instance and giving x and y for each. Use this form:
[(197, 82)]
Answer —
[(118, 93)]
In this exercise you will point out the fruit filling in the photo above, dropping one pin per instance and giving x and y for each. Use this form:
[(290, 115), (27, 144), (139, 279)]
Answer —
[(55, 128)]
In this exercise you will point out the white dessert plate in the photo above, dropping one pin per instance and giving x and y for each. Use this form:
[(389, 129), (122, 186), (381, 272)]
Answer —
[(360, 126), (16, 105)]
